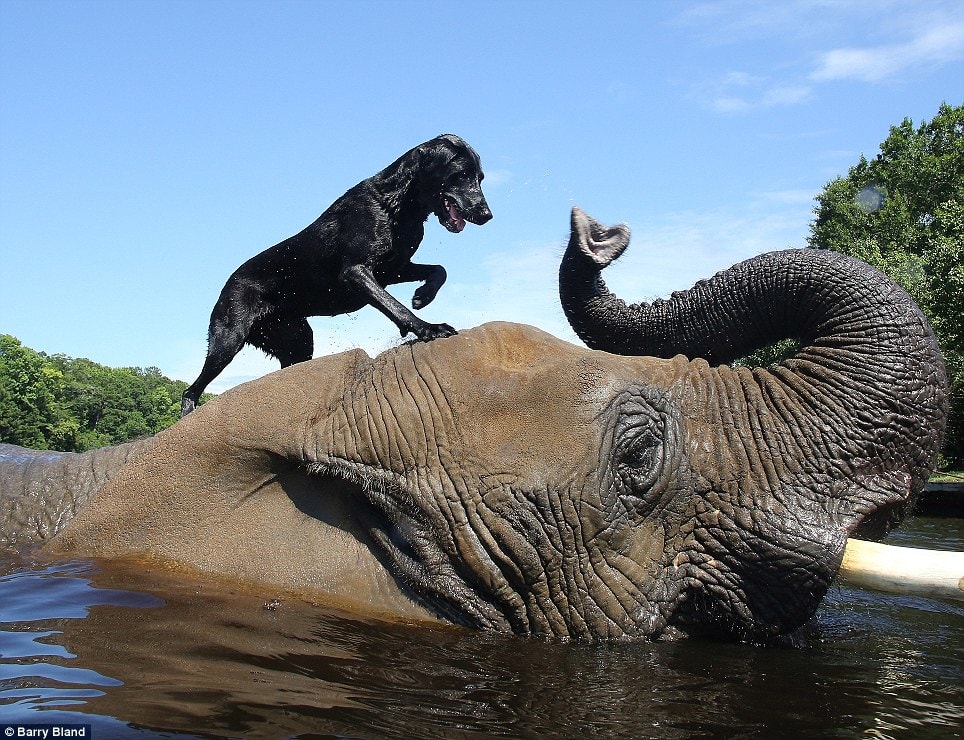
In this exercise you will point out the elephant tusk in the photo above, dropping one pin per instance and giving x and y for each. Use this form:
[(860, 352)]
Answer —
[(904, 570)]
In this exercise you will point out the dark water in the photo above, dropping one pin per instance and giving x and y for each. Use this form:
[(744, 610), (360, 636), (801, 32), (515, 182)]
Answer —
[(143, 653)]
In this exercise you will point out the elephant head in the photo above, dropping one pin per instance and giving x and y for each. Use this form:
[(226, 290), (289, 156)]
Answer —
[(782, 461), (506, 480)]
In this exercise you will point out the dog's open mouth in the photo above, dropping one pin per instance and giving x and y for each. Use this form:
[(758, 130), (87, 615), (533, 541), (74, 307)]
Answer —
[(453, 219)]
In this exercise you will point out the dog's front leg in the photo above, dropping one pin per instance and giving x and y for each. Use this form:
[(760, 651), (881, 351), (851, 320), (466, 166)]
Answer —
[(432, 276), (360, 278)]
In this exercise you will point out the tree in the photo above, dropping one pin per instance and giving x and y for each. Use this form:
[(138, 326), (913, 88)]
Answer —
[(31, 414), (60, 403), (903, 212)]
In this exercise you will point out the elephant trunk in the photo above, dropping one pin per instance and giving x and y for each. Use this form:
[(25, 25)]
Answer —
[(835, 441), (865, 396), (827, 300)]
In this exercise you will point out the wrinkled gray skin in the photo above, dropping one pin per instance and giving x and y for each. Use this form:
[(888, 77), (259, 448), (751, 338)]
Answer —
[(506, 480)]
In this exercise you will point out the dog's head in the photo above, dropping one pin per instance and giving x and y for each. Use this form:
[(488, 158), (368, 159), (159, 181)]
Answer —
[(451, 174)]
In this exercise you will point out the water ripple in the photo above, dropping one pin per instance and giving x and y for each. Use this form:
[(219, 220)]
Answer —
[(87, 643)]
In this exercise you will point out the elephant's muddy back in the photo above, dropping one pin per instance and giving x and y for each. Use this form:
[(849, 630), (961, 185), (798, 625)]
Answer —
[(42, 490)]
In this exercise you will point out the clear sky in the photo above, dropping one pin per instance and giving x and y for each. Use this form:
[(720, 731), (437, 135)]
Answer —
[(148, 148)]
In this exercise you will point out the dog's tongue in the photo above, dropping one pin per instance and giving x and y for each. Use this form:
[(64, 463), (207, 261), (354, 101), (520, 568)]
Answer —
[(456, 217)]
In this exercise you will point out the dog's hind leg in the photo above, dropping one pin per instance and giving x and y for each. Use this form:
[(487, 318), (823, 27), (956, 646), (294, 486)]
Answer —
[(221, 350), (226, 336), (289, 339)]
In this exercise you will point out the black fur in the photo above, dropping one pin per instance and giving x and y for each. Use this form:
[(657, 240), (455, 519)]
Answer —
[(344, 260)]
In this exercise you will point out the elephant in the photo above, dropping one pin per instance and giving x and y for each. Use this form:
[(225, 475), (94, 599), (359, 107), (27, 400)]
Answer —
[(503, 479)]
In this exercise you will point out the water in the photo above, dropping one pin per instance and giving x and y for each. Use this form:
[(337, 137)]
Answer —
[(139, 652)]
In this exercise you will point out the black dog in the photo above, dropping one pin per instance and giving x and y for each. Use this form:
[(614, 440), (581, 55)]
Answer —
[(343, 261)]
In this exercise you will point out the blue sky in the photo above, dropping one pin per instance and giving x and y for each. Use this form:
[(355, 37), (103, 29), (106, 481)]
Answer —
[(148, 148)]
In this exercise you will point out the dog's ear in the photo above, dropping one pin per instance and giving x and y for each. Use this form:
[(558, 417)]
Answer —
[(459, 147), (456, 142), (434, 155)]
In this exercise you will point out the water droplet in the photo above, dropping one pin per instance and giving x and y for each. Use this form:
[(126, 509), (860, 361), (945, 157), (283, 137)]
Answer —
[(870, 198)]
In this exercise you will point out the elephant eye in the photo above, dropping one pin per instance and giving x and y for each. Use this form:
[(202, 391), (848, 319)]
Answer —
[(641, 453), (639, 456)]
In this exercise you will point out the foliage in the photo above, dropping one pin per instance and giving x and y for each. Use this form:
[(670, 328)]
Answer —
[(903, 212), (59, 403), (31, 412), (772, 354)]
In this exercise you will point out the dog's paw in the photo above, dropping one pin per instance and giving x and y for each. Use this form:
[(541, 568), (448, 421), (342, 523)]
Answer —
[(428, 332), (424, 295)]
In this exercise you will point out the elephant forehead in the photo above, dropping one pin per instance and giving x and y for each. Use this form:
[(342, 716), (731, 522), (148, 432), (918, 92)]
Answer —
[(499, 358), (493, 352), (521, 395), (514, 392)]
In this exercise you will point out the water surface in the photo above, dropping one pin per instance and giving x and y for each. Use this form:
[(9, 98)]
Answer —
[(136, 651)]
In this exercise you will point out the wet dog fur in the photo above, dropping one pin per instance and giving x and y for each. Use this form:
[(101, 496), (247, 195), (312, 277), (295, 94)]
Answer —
[(345, 259)]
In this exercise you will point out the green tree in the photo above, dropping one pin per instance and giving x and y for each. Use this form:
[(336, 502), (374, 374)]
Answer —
[(118, 404), (60, 403), (31, 413), (903, 212)]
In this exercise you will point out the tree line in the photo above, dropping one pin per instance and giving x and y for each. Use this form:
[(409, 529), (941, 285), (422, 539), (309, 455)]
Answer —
[(57, 402), (902, 212)]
